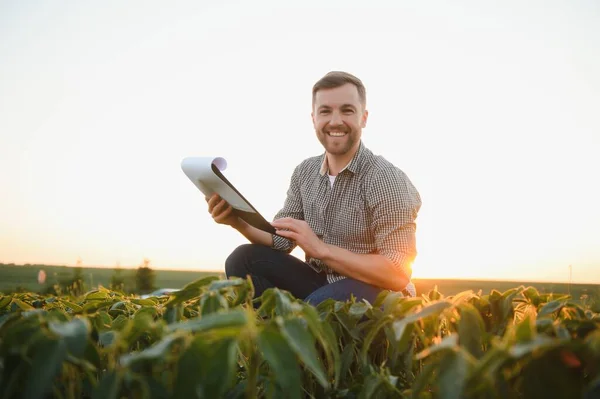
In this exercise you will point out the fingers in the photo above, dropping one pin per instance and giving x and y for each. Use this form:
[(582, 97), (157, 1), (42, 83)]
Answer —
[(222, 216), (209, 197), (288, 234), (218, 208), (213, 201), (287, 223)]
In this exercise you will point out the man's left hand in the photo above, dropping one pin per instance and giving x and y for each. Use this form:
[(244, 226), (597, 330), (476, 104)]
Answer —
[(300, 232)]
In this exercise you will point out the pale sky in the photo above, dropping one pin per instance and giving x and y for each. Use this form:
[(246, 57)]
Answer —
[(491, 108)]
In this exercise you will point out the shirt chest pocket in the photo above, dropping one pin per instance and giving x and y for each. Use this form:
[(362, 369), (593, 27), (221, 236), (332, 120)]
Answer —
[(352, 224), (313, 215)]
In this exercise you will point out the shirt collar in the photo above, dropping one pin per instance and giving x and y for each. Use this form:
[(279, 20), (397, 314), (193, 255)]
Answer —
[(353, 165)]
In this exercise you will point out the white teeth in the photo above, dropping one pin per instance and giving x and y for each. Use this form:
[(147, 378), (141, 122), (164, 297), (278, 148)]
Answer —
[(337, 134)]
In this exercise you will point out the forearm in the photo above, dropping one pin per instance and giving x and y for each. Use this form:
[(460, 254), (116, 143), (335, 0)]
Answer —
[(254, 235), (373, 269)]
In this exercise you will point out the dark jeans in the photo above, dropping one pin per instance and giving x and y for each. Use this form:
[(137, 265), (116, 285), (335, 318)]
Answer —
[(270, 268)]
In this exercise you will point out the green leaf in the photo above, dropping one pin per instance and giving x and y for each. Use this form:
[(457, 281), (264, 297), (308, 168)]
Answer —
[(403, 333), (150, 311), (532, 295), (434, 308), (157, 351), (399, 326), (371, 386), (5, 301), (303, 343), (48, 357), (434, 294), (190, 291), (283, 362), (97, 295), (391, 301), (453, 372), (551, 307), (380, 298), (120, 322), (14, 373), (145, 302), (347, 322), (22, 305), (212, 302), (92, 355), (346, 361), (424, 378), (174, 313), (32, 313), (190, 367), (357, 310), (220, 284), (539, 342), (487, 366), (94, 306), (73, 307), (199, 283), (592, 342), (463, 297), (223, 365), (75, 334), (206, 369), (471, 330), (267, 302), (326, 337), (283, 305), (448, 343), (243, 293), (233, 319), (383, 321), (107, 338), (525, 330)]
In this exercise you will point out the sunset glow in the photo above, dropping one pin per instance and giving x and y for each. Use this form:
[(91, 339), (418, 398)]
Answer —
[(491, 109)]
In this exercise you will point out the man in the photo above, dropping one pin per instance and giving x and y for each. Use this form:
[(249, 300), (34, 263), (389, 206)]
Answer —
[(352, 213)]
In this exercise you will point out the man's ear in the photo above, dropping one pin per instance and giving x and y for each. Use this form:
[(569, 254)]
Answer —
[(365, 116), (312, 117)]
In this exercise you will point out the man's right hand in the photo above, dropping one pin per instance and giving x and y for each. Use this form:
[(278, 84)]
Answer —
[(221, 211)]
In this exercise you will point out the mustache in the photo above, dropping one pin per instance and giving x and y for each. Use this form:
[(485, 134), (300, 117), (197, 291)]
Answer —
[(336, 129)]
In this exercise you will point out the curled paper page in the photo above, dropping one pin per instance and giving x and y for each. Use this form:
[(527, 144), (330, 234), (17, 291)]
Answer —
[(201, 171), (206, 174)]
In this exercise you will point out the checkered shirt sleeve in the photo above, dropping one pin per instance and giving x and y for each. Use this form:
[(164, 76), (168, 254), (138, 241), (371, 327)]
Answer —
[(395, 203)]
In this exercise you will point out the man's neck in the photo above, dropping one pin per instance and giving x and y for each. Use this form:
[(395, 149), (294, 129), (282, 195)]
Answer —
[(336, 163)]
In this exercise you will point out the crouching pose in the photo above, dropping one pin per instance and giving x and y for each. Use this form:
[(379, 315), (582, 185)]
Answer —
[(352, 213)]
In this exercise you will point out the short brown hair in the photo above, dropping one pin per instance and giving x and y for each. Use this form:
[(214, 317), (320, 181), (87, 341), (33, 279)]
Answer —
[(335, 79)]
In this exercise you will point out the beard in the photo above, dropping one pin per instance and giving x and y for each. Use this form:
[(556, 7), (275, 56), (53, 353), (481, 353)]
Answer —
[(338, 145)]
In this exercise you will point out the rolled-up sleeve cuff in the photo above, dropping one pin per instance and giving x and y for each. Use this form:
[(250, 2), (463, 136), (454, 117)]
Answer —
[(400, 260), (282, 244), (410, 289)]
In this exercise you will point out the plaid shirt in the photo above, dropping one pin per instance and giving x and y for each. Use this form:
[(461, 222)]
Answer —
[(371, 209)]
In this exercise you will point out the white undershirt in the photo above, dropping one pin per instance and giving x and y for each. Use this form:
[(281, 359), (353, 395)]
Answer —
[(331, 179)]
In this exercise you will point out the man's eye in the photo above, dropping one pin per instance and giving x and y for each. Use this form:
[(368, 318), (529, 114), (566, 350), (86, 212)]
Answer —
[(324, 112), (348, 111)]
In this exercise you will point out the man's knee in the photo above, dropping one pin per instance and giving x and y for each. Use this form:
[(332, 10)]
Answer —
[(244, 258), (235, 264)]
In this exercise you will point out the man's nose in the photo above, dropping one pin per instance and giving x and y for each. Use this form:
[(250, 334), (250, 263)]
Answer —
[(336, 119)]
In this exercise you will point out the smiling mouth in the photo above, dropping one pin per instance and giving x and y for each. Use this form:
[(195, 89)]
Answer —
[(336, 134)]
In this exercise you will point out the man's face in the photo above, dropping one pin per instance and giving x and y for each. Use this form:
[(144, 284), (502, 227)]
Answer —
[(338, 117)]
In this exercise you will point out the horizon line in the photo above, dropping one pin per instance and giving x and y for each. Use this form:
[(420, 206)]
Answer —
[(521, 282)]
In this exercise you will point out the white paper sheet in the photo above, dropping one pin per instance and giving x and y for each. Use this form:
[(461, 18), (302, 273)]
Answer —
[(199, 171)]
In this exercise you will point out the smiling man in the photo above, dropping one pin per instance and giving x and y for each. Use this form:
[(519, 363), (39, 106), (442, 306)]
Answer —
[(352, 212)]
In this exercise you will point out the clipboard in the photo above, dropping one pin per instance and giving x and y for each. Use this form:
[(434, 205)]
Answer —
[(206, 173)]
